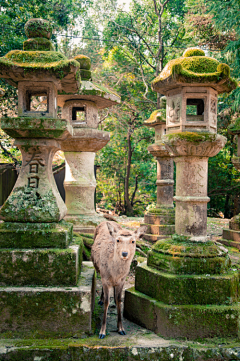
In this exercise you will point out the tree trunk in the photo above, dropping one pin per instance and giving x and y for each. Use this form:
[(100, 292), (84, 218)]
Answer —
[(127, 202)]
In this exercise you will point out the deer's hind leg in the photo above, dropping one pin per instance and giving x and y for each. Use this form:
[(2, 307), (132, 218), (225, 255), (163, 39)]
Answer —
[(106, 292), (101, 300)]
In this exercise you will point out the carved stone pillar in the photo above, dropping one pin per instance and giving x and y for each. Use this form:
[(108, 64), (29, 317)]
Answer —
[(35, 197), (160, 218)]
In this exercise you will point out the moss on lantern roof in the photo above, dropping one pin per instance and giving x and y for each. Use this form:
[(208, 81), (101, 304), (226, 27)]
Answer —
[(157, 117), (194, 69), (20, 65), (234, 128), (37, 60)]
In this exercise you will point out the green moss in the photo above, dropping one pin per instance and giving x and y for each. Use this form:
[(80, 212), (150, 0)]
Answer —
[(186, 257), (187, 289), (85, 74), (35, 235), (35, 61), (194, 137), (196, 69), (158, 116), (33, 127), (85, 61), (38, 28), (40, 44), (25, 204), (44, 267), (193, 52)]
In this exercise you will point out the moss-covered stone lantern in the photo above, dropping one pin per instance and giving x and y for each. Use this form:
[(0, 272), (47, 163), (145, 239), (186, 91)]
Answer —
[(188, 285), (81, 110), (191, 84), (40, 261), (160, 218)]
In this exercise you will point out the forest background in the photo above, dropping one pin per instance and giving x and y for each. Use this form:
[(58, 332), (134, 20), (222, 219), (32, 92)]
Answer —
[(129, 46)]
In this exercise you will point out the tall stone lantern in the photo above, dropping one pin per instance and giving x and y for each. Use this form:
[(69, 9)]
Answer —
[(187, 285), (160, 218), (231, 236), (40, 262), (81, 111)]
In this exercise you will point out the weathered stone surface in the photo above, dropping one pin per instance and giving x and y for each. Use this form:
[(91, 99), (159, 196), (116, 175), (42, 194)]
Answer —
[(85, 140), (43, 267), (92, 350), (35, 197), (48, 311), (87, 109), (179, 257), (98, 94), (28, 127), (190, 321), (187, 289), (35, 235), (191, 152)]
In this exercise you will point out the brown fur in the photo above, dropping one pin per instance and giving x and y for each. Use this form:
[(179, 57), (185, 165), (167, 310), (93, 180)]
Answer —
[(112, 254)]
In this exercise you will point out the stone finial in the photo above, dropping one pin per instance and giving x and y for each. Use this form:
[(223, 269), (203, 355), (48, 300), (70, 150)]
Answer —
[(85, 66), (38, 31), (38, 28)]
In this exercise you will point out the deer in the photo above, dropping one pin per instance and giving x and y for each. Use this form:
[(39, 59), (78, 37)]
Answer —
[(112, 253)]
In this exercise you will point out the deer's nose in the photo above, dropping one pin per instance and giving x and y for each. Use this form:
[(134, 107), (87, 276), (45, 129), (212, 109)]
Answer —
[(124, 254)]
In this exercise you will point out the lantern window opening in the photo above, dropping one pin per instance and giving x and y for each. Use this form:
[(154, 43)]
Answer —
[(34, 101), (79, 114), (195, 109)]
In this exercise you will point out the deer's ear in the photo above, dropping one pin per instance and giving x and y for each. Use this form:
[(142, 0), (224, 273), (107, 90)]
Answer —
[(140, 231), (111, 228)]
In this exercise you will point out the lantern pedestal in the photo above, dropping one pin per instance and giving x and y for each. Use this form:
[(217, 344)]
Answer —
[(80, 182)]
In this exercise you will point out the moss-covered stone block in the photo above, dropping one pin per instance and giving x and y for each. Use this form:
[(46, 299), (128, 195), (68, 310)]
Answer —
[(35, 235), (189, 321), (231, 235), (36, 127), (187, 289), (43, 312), (181, 256), (43, 267), (41, 44)]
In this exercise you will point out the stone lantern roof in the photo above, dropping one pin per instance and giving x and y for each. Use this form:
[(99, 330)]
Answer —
[(195, 69), (101, 96), (158, 117), (39, 62)]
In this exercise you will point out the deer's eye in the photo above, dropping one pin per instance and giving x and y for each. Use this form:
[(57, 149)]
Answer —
[(132, 241), (117, 240)]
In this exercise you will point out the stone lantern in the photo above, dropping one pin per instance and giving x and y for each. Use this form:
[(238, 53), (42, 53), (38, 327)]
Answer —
[(160, 218), (40, 263), (187, 285), (231, 236), (81, 111)]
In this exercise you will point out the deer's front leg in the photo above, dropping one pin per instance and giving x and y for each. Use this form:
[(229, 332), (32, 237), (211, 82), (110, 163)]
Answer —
[(118, 291), (102, 332)]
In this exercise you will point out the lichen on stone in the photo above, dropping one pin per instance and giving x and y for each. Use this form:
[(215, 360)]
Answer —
[(26, 204), (195, 137)]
